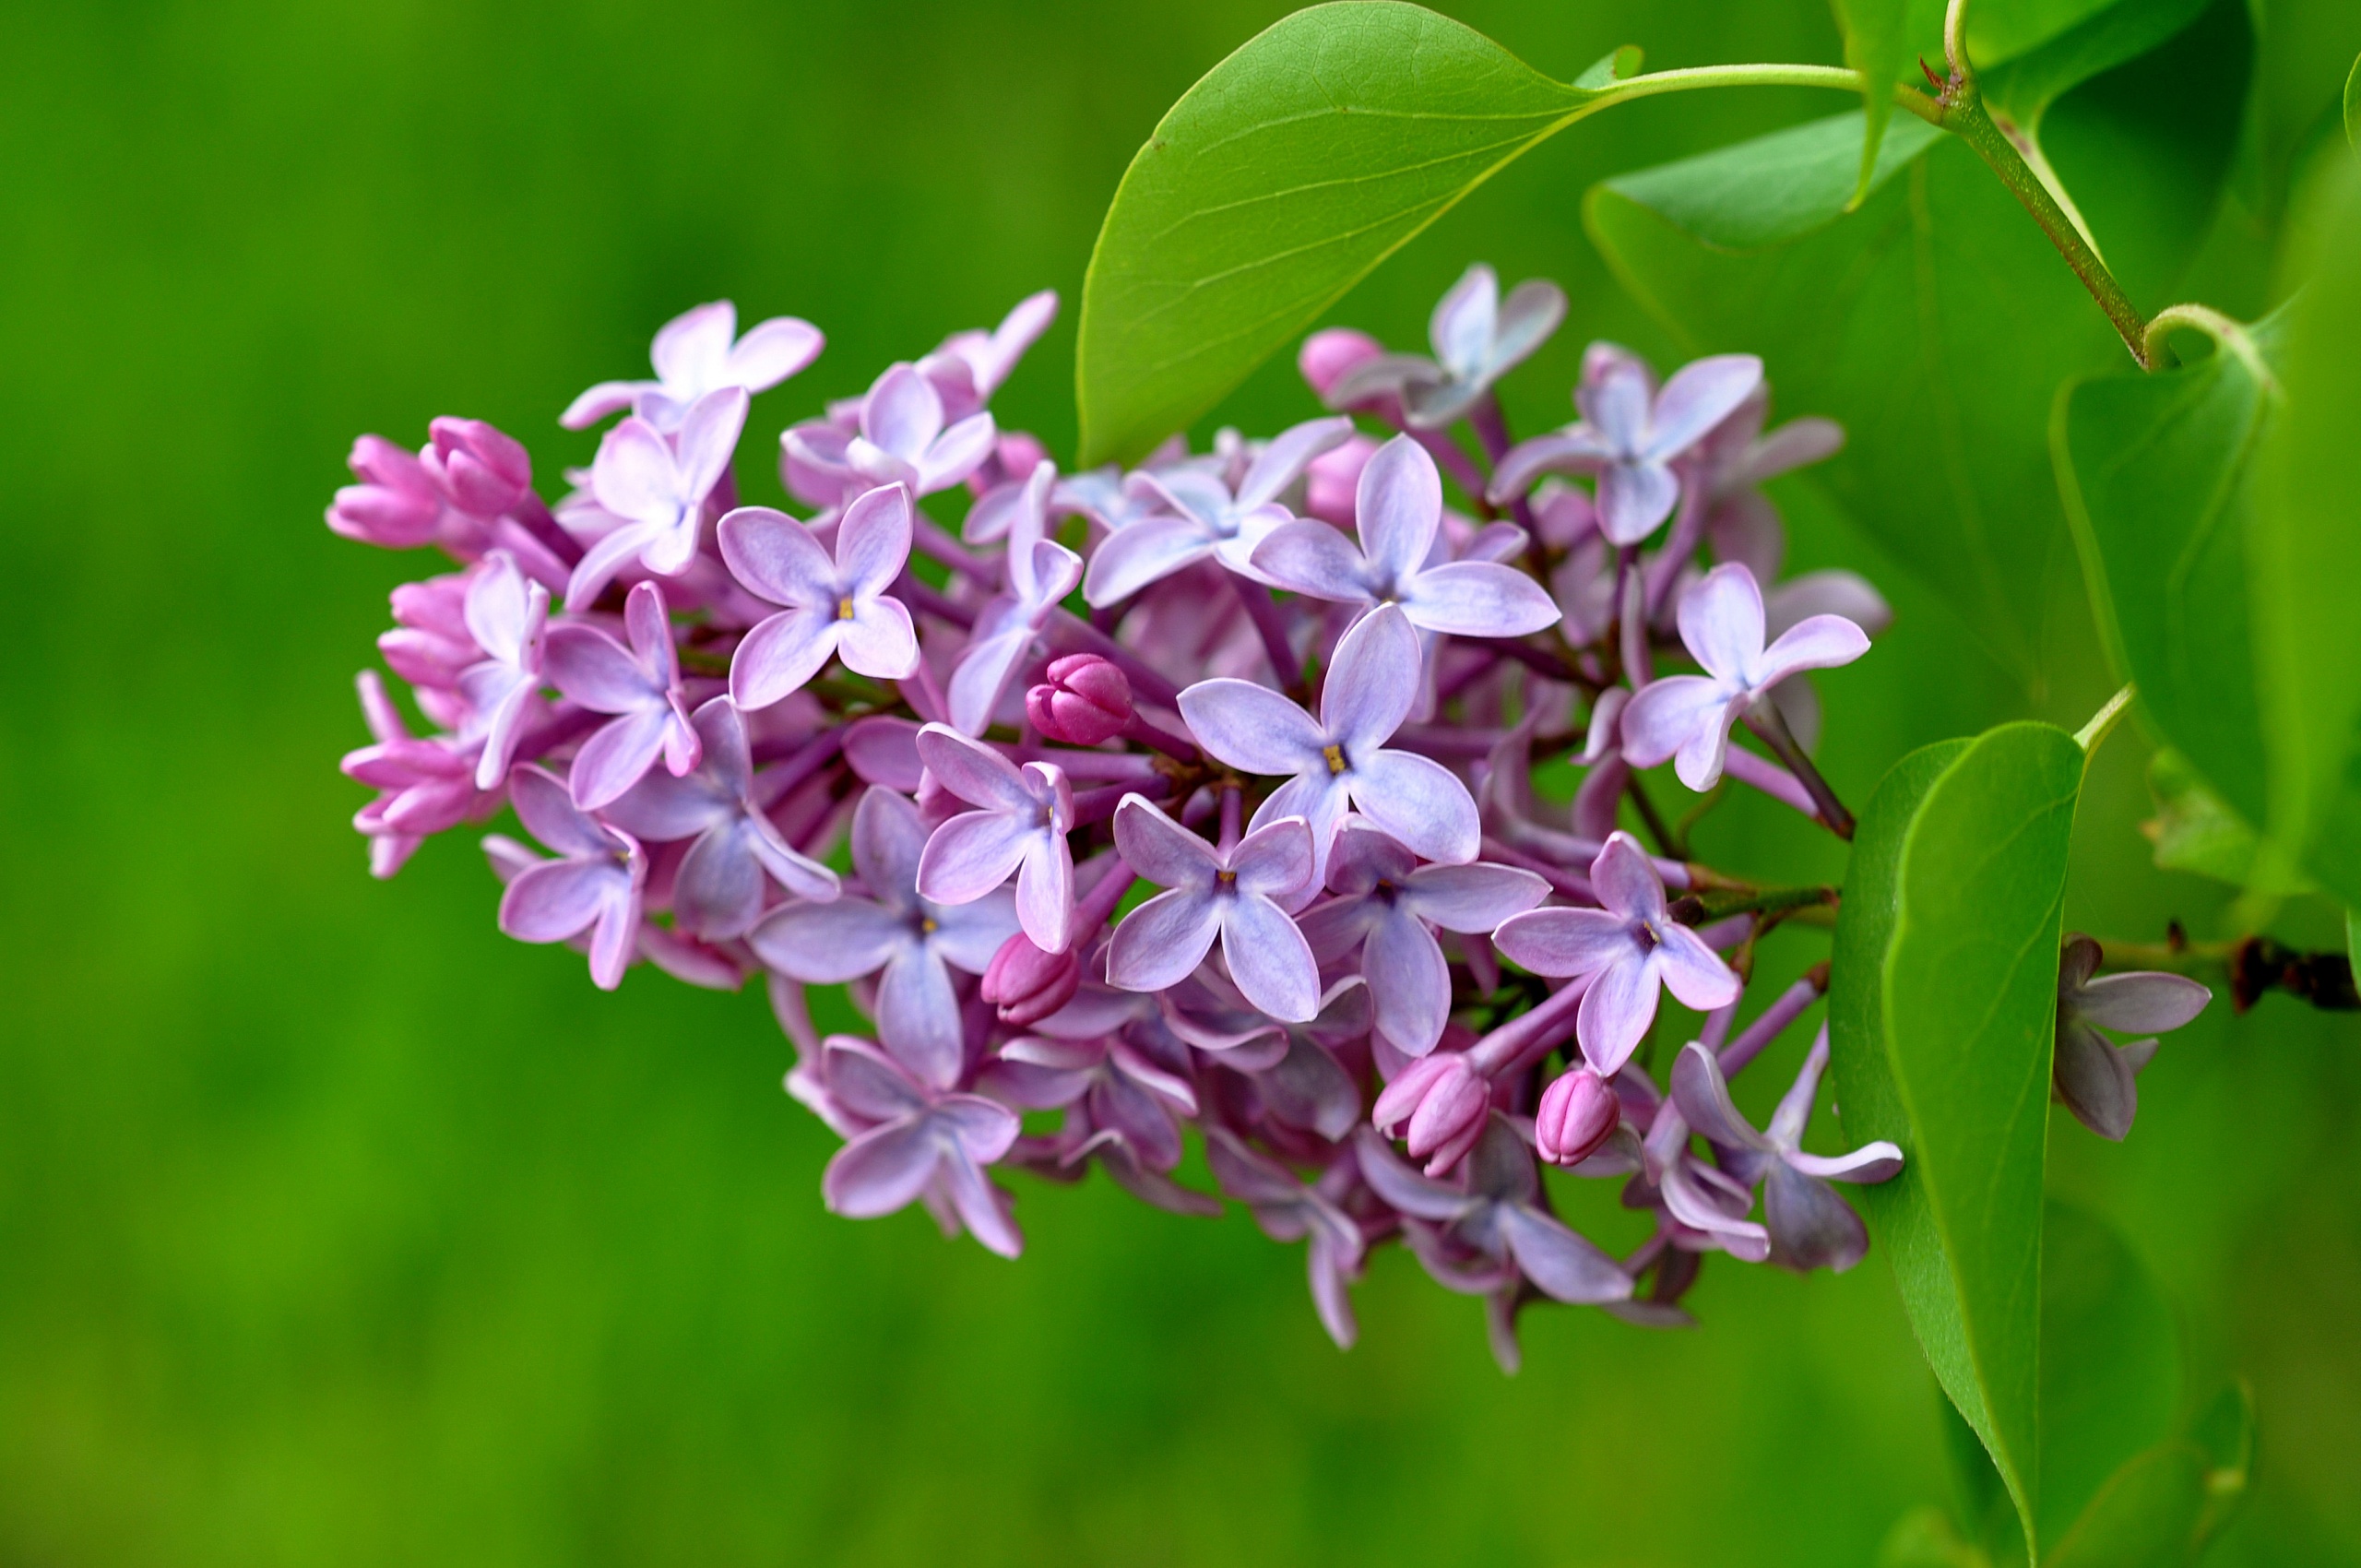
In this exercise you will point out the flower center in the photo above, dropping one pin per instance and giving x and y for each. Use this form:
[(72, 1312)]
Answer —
[(1336, 758), (843, 608), (1225, 879), (928, 925)]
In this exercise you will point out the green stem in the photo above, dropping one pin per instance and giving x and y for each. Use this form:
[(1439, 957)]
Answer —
[(1688, 79)]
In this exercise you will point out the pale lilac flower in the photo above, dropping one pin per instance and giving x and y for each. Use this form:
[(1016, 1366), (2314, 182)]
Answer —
[(717, 892), (1203, 517), (836, 607), (506, 618), (1230, 896), (1477, 339), (1577, 1116), (1020, 828), (1810, 1227), (423, 786), (1499, 1213), (1398, 512), (1339, 761), (697, 352), (658, 485), (915, 943), (1040, 572), (1633, 947), (898, 437), (1116, 1086), (1737, 457), (1688, 717), (968, 367), (1631, 435), (595, 885), (641, 685), (921, 1137), (1291, 1210), (1387, 904), (1437, 1105), (2094, 1077)]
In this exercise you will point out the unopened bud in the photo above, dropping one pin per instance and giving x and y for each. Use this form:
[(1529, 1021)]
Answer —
[(1028, 984), (1085, 701), (1334, 480), (1577, 1116), (1445, 1100), (484, 470), (1327, 357)]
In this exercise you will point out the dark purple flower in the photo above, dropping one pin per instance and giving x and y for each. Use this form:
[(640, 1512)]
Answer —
[(920, 1137), (2095, 1078)]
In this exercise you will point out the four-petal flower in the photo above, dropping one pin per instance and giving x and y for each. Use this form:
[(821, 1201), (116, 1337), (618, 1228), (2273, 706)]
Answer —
[(2095, 1078), (595, 885), (640, 686), (656, 484), (921, 1137), (1210, 894), (1477, 339), (837, 607), (697, 352), (1019, 826)]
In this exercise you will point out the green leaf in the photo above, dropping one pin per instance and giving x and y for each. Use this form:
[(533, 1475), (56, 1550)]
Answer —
[(1877, 45), (2304, 555), (1941, 1007), (1274, 185), (2157, 476), (1926, 1537), (1788, 185), (2110, 1361), (2225, 1431), (1610, 68), (1935, 323), (2195, 831), (2352, 938), (2353, 107), (2145, 1516)]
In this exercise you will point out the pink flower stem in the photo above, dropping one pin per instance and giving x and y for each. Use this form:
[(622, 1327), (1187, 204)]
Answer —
[(1776, 1018), (1233, 807), (929, 540), (1069, 632), (1272, 627), (1163, 740), (1527, 1037)]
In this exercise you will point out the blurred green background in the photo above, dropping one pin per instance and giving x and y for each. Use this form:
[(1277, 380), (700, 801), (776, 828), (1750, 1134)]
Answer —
[(335, 1229)]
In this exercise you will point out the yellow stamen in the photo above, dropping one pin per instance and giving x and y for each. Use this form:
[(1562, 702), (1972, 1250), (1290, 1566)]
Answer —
[(844, 609), (1335, 755)]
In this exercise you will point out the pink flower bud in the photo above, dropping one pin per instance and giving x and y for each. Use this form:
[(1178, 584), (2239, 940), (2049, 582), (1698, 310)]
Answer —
[(1445, 1100), (395, 505), (1085, 701), (1334, 478), (1028, 984), (484, 471), (1577, 1116), (1327, 357)]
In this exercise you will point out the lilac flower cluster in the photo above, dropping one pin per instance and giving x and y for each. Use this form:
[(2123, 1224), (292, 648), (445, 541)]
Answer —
[(1195, 796)]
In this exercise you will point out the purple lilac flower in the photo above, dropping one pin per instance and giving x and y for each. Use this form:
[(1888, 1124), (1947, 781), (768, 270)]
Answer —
[(424, 785), (1388, 904), (2094, 1077), (1203, 517), (1477, 339), (969, 366), (717, 892), (1577, 1116), (507, 619), (1040, 572), (1687, 719), (914, 942), (1397, 510), (833, 608), (1632, 946), (898, 436), (1437, 1105), (1019, 827), (697, 352), (657, 486), (1631, 435), (1810, 1227), (1289, 1209), (640, 686), (1339, 761), (595, 884), (920, 1137), (1211, 894)]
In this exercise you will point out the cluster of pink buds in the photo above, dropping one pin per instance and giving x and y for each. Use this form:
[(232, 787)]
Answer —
[(1192, 797)]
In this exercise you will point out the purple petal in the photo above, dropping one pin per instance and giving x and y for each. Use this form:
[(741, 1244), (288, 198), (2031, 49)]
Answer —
[(1616, 1013), (879, 641), (1373, 683), (691, 348), (1311, 558), (1161, 941), (829, 943), (1478, 598), (1402, 1187), (1275, 860), (614, 759), (2095, 1081), (986, 1131), (777, 558), (888, 835), (1819, 641), (633, 475), (1161, 850), (1700, 396), (2140, 1003), (1285, 457), (1149, 551), (603, 560), (1465, 321), (974, 771), (550, 815), (967, 935), (957, 453), (1309, 1089), (1471, 898), (1561, 1264), (772, 351), (1269, 959), (1558, 941), (1409, 981), (1527, 318), (1249, 726), (884, 751), (708, 437), (1704, 1095), (981, 1206), (791, 868), (718, 892), (881, 1170), (981, 679), (558, 900), (1694, 971), (970, 855), (1634, 498), (872, 541), (1810, 1226), (605, 398), (661, 809), (1575, 451), (1669, 714), (1320, 800), (1419, 802), (1397, 507), (869, 1083), (1365, 855), (594, 669), (903, 413), (1721, 621), (1045, 892), (781, 655), (918, 1013)]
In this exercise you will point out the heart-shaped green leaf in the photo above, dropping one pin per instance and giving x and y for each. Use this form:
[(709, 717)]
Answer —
[(1273, 186), (1942, 1005)]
